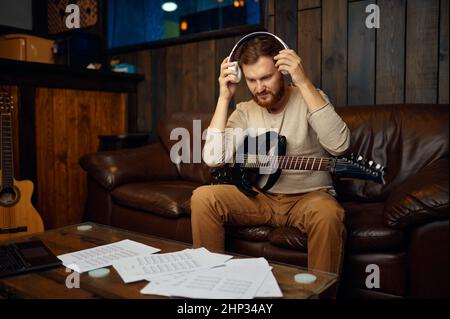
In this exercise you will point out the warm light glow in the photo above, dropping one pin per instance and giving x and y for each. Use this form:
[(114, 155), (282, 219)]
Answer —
[(183, 26), (242, 3), (236, 4), (169, 6)]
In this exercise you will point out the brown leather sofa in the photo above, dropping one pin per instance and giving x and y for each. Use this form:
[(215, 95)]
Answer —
[(402, 227)]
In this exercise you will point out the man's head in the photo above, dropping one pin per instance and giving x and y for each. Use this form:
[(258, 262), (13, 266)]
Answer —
[(264, 80)]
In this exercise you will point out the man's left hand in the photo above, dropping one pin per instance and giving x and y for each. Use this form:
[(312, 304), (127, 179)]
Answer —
[(287, 60)]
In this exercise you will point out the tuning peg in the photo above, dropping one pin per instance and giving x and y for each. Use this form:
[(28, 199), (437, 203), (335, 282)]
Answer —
[(360, 158), (370, 163)]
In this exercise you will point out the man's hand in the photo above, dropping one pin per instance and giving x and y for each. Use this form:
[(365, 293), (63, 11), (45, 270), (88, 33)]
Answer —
[(228, 81), (287, 60)]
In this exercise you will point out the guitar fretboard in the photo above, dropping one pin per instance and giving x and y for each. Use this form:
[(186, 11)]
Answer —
[(6, 148), (302, 163)]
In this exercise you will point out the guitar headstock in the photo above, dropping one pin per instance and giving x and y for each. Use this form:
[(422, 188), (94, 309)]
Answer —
[(355, 166), (6, 103)]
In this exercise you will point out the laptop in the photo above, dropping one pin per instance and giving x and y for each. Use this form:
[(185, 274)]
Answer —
[(31, 255)]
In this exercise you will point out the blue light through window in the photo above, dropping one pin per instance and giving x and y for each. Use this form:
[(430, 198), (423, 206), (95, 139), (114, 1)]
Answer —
[(141, 21)]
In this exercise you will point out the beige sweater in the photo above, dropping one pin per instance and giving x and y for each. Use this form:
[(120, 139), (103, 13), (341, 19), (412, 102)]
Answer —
[(308, 134)]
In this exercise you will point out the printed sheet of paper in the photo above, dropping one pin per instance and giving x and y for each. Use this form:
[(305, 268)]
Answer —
[(148, 267), (103, 256), (269, 288), (240, 278)]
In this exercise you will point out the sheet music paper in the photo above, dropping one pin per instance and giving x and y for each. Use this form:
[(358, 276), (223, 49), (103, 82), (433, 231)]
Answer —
[(103, 256), (147, 267), (241, 278)]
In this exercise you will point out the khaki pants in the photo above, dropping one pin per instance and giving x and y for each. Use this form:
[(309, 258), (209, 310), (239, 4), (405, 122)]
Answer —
[(316, 214)]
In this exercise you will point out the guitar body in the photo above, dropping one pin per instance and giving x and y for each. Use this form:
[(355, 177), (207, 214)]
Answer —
[(245, 178), (18, 217)]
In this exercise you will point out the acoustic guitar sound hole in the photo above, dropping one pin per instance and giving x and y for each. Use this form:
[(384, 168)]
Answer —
[(9, 196)]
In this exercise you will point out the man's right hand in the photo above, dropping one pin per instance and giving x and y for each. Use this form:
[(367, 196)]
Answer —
[(227, 80)]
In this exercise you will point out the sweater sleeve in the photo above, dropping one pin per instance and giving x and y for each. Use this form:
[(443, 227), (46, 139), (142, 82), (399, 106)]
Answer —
[(331, 130), (220, 146)]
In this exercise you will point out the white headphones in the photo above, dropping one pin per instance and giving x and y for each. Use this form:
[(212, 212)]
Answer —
[(251, 35)]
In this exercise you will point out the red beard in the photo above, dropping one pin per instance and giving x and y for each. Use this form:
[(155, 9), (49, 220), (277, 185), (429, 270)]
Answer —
[(270, 98)]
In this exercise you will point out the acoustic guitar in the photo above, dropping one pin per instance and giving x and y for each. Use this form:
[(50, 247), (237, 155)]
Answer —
[(261, 159), (18, 217)]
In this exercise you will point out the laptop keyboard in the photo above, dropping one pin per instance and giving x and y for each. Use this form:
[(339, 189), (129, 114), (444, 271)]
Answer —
[(10, 260)]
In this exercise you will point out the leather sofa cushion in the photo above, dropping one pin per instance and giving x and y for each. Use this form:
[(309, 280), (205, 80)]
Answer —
[(288, 237), (256, 234), (366, 231), (166, 198), (420, 198)]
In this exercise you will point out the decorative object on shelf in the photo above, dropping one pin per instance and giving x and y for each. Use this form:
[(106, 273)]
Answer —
[(56, 13)]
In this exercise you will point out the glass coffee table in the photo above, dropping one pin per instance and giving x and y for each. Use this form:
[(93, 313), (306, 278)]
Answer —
[(52, 283)]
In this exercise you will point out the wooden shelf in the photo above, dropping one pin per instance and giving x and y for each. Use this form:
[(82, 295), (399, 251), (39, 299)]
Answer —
[(61, 76)]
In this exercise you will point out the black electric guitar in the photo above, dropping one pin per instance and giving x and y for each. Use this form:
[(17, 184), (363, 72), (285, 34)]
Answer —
[(253, 161)]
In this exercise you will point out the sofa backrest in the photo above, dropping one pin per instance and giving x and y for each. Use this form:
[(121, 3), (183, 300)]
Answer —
[(403, 138), (169, 123)]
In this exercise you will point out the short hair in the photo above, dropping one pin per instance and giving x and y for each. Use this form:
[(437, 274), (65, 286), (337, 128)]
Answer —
[(262, 45)]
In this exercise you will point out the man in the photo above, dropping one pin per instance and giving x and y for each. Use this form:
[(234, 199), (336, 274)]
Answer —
[(304, 115)]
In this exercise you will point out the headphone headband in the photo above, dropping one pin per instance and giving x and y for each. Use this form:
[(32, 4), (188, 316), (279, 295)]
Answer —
[(251, 35)]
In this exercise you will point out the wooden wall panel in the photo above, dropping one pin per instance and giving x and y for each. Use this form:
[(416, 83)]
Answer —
[(270, 7), (422, 51), (443, 53), (206, 79), (45, 157), (174, 79), (310, 43), (361, 56), (286, 21), (189, 77), (144, 107), (271, 24), (390, 68), (308, 4), (158, 85), (223, 49), (334, 50), (68, 123)]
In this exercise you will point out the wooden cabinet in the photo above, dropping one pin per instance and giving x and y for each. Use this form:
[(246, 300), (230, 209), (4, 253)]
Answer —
[(59, 115), (68, 123)]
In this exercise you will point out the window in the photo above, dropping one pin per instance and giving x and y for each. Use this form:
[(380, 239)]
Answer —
[(143, 21)]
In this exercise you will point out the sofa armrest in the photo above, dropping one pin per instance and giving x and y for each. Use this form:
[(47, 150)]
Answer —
[(114, 168), (421, 198)]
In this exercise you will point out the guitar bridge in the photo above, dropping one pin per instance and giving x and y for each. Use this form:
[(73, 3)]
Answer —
[(15, 230)]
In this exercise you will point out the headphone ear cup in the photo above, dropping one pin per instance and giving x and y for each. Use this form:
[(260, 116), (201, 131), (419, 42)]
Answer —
[(239, 73)]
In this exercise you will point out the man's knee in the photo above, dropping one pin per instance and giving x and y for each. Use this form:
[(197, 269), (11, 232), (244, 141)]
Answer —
[(327, 212), (207, 196)]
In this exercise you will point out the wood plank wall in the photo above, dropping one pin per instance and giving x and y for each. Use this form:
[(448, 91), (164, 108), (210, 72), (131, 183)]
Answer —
[(405, 61), (64, 115)]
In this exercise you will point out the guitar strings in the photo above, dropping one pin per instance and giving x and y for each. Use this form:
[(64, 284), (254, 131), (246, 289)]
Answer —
[(268, 161)]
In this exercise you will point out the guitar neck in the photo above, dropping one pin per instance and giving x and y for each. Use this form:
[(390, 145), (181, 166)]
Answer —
[(7, 151), (300, 163)]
